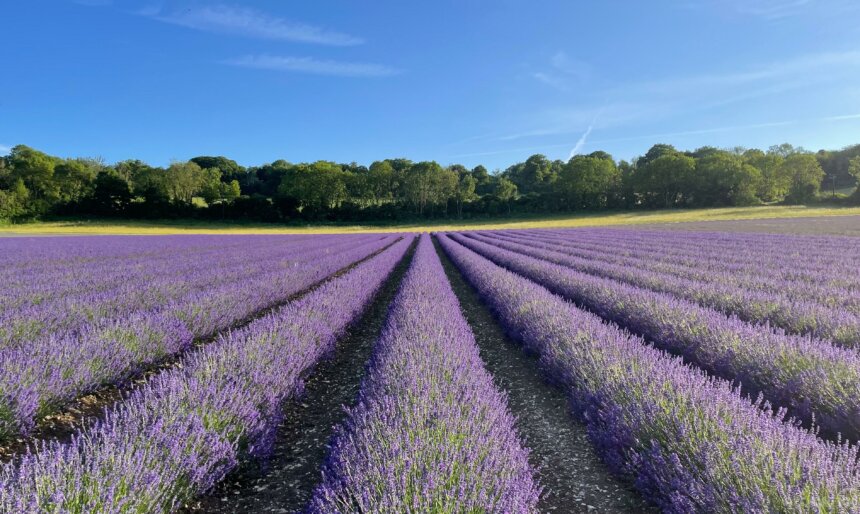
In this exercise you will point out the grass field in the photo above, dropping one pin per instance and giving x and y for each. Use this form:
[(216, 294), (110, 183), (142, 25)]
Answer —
[(139, 227)]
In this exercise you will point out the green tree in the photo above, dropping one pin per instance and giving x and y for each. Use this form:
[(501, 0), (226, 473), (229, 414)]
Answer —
[(663, 181), (13, 203), (465, 192), (505, 192), (111, 194), (381, 179), (854, 168), (654, 152), (774, 183), (229, 168), (723, 178), (532, 176), (587, 182), (75, 179), (426, 184), (36, 170), (185, 180), (806, 175), (482, 180), (318, 186)]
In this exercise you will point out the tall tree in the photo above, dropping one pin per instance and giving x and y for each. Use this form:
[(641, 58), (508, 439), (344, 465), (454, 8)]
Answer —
[(505, 192), (318, 186), (465, 192), (587, 182), (806, 175), (775, 182), (723, 178), (664, 180)]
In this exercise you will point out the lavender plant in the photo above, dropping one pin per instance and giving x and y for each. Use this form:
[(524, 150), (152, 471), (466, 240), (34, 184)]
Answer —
[(782, 306), (430, 432), (814, 380), (38, 378), (691, 442), (181, 433)]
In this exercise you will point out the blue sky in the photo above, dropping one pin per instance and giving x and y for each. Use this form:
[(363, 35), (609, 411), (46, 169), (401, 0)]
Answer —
[(462, 81)]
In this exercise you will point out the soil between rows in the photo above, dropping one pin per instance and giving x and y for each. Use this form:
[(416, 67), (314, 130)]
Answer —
[(573, 477), (285, 481), (87, 409)]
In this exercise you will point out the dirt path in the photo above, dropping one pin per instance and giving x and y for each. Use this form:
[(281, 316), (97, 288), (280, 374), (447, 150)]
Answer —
[(285, 482), (572, 475)]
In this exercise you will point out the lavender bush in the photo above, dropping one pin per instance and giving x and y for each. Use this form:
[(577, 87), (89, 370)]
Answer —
[(430, 432), (181, 433), (814, 380), (782, 305), (37, 378), (691, 442)]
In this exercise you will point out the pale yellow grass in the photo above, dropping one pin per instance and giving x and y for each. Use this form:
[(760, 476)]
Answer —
[(571, 220)]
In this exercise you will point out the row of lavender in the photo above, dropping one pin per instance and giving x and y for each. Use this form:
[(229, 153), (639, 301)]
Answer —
[(82, 295), (825, 312), (691, 442), (814, 380), (773, 270), (38, 376), (182, 432), (430, 432)]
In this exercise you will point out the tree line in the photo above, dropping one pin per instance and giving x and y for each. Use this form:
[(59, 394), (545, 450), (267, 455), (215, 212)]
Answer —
[(34, 184)]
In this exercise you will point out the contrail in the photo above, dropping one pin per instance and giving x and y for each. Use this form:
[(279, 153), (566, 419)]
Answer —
[(581, 142), (584, 137)]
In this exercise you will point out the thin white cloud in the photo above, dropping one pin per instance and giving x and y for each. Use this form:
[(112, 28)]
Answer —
[(773, 9), (842, 117), (659, 136), (776, 11), (804, 66), (248, 22), (564, 72), (550, 80), (695, 132), (663, 98), (313, 66)]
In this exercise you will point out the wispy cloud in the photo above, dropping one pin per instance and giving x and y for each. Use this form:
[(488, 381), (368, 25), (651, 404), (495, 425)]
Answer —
[(842, 117), (248, 22), (313, 66), (637, 102), (773, 9), (550, 80), (658, 136), (563, 72)]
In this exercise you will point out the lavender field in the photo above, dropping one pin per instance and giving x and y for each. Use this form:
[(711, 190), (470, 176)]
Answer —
[(568, 370)]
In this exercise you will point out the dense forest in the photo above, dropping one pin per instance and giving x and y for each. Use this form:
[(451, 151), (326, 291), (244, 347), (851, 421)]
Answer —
[(34, 185)]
